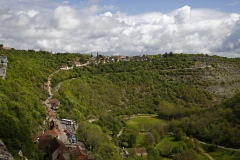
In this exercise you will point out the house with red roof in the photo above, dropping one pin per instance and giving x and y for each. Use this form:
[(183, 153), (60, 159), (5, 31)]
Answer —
[(81, 152), (140, 151), (54, 132)]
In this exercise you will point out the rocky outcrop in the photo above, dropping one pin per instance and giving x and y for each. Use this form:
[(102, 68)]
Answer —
[(4, 153), (3, 65)]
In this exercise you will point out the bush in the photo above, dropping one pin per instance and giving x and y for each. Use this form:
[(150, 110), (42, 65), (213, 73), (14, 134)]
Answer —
[(211, 148)]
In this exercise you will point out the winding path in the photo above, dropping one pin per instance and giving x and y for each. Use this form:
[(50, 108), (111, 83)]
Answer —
[(205, 153)]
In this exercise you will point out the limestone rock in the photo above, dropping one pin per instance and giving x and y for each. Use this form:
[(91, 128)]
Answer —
[(4, 153)]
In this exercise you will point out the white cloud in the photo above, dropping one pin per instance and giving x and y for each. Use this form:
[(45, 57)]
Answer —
[(231, 43), (182, 15), (107, 14), (66, 18), (30, 13), (67, 29)]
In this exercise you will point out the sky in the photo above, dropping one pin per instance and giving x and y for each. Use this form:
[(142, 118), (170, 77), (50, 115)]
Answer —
[(122, 27)]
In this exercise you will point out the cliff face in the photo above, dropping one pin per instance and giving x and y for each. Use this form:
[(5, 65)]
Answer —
[(4, 153), (3, 65)]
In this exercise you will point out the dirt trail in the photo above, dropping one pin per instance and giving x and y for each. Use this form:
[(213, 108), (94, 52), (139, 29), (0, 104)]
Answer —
[(205, 153)]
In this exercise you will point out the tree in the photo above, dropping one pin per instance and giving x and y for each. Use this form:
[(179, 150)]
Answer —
[(153, 154), (132, 140), (125, 144), (180, 135), (167, 149), (170, 54), (211, 148), (180, 147), (92, 134), (189, 154), (108, 151), (115, 140), (149, 140), (165, 55)]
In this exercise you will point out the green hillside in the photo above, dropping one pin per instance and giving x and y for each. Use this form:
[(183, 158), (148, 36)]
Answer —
[(197, 93), (140, 87)]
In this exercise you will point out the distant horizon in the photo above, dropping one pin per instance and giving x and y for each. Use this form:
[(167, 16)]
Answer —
[(108, 54), (122, 27)]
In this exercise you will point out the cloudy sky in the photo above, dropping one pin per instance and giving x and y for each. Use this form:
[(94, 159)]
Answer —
[(124, 27)]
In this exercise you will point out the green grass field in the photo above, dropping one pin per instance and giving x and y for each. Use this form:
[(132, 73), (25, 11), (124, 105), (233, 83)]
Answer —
[(139, 140), (201, 157), (167, 141), (223, 154), (145, 120)]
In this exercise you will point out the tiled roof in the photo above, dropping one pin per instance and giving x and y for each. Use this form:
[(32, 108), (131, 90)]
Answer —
[(82, 157), (53, 132), (43, 141), (140, 150), (55, 144), (53, 101), (51, 113)]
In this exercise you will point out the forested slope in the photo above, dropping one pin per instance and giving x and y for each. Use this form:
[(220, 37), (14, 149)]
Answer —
[(138, 86), (21, 96), (189, 88)]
